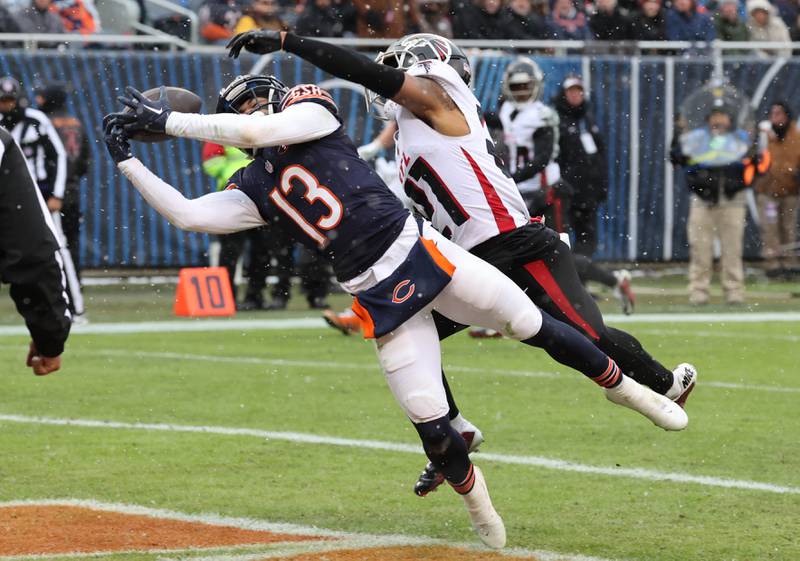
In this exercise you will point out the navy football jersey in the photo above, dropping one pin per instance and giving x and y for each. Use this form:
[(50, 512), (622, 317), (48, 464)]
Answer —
[(324, 195)]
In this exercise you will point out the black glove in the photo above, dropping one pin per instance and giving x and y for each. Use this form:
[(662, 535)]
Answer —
[(261, 42), (147, 115), (116, 140)]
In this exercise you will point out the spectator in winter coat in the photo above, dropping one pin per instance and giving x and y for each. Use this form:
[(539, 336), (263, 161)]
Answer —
[(324, 18), (727, 23), (483, 19), (520, 21), (567, 21), (649, 22), (777, 190), (685, 23), (80, 16), (7, 22), (218, 18), (717, 207), (433, 17), (40, 17), (582, 158), (261, 14), (765, 25), (609, 23), (386, 18)]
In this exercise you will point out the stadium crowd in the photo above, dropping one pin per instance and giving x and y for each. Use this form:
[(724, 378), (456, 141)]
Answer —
[(598, 20)]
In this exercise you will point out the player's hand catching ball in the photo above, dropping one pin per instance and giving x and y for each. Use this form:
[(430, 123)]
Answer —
[(116, 139), (146, 114), (260, 42)]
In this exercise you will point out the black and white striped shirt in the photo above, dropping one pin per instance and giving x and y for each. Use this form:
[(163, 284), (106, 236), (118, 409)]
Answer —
[(44, 151), (29, 253)]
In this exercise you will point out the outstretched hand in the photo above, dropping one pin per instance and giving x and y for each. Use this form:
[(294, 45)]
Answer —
[(146, 115), (260, 42), (116, 138)]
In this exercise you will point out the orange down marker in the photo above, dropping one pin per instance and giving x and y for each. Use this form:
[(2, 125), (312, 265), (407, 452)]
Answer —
[(204, 291)]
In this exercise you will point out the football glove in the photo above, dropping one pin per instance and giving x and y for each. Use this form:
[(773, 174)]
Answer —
[(148, 115), (261, 42), (116, 140)]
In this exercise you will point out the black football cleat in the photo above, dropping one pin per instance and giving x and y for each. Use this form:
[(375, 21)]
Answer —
[(428, 480)]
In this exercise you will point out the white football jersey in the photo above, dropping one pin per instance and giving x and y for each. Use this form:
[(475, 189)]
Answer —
[(519, 125), (456, 182)]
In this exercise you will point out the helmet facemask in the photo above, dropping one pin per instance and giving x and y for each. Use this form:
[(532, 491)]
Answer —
[(523, 82), (266, 93)]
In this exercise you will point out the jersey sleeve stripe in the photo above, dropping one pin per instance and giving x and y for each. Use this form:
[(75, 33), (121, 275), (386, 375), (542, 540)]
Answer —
[(504, 221)]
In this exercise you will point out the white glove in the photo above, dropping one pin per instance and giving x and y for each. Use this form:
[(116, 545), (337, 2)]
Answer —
[(370, 151)]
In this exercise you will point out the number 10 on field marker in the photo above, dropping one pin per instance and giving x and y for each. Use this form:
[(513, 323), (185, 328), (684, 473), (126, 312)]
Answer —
[(204, 291)]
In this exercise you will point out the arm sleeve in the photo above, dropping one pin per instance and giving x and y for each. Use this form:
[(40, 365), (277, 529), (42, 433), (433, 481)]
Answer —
[(301, 123), (346, 64), (54, 151), (223, 212), (29, 259), (543, 145)]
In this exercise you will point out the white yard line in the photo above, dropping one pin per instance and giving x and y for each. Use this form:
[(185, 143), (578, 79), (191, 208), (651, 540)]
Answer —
[(318, 323), (720, 334), (328, 365), (345, 540), (305, 438)]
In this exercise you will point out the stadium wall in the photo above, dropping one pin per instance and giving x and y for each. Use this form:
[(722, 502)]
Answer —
[(644, 218)]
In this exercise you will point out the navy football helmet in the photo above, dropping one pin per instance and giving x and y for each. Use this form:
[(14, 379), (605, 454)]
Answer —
[(250, 86)]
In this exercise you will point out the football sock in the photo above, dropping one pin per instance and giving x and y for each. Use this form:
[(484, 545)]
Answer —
[(634, 360), (467, 484), (445, 449), (567, 346)]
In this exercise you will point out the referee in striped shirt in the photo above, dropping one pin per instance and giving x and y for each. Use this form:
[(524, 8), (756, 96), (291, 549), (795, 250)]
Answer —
[(30, 260)]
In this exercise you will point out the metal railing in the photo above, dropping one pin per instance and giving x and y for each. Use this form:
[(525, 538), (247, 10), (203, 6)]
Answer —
[(154, 37)]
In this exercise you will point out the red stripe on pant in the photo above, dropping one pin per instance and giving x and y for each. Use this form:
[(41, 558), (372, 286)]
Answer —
[(539, 271)]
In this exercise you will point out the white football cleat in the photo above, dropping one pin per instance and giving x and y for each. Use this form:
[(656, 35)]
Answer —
[(664, 412), (685, 378), (485, 520), (471, 434)]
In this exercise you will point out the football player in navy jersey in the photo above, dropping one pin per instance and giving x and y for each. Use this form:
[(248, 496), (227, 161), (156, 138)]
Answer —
[(448, 169), (306, 176)]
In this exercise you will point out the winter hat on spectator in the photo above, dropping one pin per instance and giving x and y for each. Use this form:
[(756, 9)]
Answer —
[(572, 81), (753, 5), (720, 3)]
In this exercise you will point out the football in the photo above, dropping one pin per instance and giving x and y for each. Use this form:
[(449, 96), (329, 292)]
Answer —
[(180, 100)]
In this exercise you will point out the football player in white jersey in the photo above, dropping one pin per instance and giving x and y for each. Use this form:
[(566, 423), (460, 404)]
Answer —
[(530, 133), (449, 169)]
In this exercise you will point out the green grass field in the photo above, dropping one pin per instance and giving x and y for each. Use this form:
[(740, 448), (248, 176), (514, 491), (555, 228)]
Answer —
[(744, 426)]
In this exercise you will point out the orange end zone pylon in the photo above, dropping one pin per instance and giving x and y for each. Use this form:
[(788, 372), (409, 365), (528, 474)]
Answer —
[(204, 291)]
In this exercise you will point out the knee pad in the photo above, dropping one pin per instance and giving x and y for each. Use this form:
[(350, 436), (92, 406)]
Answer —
[(524, 324), (436, 435)]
